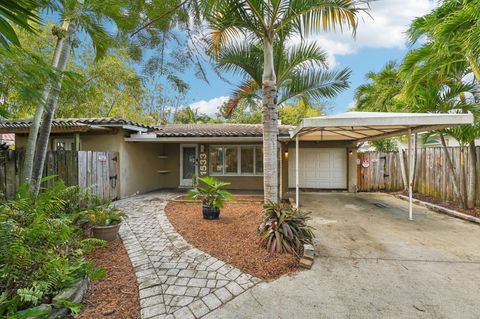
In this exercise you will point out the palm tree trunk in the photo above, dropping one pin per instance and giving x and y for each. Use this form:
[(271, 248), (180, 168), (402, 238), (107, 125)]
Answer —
[(270, 125), (472, 176), (32, 136), (456, 184), (44, 135)]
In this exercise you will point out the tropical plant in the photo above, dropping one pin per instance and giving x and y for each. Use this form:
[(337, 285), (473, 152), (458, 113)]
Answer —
[(102, 215), (20, 13), (263, 23), (93, 18), (301, 72), (384, 145), (449, 55), (382, 92), (210, 191), (284, 229), (41, 252)]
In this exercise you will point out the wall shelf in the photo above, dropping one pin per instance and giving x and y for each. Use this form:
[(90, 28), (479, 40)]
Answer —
[(160, 171)]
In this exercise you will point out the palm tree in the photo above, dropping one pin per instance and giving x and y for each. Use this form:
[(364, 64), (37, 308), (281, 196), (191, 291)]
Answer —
[(447, 95), (382, 92), (93, 17), (451, 51), (265, 22), (19, 13), (301, 72)]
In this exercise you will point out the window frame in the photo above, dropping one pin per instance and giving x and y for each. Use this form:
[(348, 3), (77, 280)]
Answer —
[(238, 147)]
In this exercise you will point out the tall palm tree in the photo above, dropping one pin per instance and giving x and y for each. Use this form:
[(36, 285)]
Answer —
[(264, 22), (451, 51), (93, 17), (300, 69)]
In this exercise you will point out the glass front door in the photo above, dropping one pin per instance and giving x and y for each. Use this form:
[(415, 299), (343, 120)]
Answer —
[(188, 158)]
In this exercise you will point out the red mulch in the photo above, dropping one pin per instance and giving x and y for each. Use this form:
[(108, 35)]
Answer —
[(115, 296), (232, 238), (447, 204), (242, 198)]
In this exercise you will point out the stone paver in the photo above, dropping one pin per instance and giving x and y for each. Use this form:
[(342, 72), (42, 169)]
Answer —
[(175, 279)]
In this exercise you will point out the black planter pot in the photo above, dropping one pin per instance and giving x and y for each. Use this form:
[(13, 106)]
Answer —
[(210, 212)]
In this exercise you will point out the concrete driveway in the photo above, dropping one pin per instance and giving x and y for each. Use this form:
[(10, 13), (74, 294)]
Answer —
[(374, 263)]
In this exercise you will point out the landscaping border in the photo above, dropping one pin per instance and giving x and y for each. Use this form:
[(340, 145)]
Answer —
[(442, 210)]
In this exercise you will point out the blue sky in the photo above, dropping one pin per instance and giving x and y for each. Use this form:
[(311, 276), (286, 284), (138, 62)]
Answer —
[(379, 39)]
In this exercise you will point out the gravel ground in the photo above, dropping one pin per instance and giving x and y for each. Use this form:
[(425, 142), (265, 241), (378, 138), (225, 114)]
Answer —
[(232, 238), (115, 296)]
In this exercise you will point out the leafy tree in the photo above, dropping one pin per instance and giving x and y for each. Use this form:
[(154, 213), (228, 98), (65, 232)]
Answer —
[(246, 112), (261, 22), (187, 115), (292, 114)]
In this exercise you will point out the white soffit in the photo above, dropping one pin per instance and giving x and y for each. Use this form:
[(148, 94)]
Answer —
[(362, 126)]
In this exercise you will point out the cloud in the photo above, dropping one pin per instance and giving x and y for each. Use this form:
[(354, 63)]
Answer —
[(209, 107), (384, 29)]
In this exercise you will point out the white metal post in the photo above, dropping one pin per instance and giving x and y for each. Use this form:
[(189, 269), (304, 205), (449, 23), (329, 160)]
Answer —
[(410, 175), (297, 193)]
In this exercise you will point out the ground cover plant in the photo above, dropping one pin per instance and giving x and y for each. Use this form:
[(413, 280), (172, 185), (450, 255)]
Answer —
[(41, 250)]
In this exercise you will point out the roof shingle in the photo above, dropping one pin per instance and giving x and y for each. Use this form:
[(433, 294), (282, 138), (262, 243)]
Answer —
[(215, 130)]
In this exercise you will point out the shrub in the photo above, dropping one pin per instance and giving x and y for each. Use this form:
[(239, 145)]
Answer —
[(41, 251), (101, 215), (284, 229), (211, 192)]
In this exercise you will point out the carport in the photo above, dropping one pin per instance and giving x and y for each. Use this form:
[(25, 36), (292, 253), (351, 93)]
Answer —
[(366, 126)]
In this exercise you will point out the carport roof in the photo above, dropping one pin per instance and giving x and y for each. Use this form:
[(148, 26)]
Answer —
[(363, 126)]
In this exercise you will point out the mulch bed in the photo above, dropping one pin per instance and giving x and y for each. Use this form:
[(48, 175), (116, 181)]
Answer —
[(242, 198), (451, 205), (232, 238), (115, 296)]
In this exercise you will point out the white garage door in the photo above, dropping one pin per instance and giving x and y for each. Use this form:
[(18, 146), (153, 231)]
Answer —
[(324, 168)]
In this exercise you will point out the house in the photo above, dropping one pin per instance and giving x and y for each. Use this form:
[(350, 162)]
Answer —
[(170, 156)]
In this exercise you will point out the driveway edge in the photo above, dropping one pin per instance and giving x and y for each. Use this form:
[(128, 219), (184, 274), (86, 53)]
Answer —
[(442, 210)]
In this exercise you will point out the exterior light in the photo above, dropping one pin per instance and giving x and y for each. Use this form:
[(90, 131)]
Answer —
[(350, 152), (286, 154)]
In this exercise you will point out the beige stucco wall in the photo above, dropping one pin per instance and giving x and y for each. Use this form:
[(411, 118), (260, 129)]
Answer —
[(139, 162)]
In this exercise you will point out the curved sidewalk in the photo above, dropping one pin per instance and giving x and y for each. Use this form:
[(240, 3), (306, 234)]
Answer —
[(175, 279)]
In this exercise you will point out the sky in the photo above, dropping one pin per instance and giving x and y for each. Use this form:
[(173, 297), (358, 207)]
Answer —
[(379, 39)]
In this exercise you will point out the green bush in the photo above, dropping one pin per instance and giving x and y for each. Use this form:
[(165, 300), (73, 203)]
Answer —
[(284, 229), (41, 251)]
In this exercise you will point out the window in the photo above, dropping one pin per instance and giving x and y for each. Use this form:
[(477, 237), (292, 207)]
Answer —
[(236, 160), (246, 160), (259, 160), (216, 160), (231, 160)]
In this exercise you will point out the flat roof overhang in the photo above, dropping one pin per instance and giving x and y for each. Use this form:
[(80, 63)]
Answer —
[(364, 126)]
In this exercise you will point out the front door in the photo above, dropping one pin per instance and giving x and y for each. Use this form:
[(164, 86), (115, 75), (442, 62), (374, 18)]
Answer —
[(188, 164)]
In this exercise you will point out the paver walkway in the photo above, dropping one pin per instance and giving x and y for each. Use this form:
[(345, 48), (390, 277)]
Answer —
[(175, 279)]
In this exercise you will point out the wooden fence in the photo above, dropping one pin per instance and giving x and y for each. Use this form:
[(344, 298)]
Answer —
[(96, 171), (432, 175)]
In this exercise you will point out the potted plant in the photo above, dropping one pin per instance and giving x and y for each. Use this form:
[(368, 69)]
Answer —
[(104, 221), (212, 195)]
